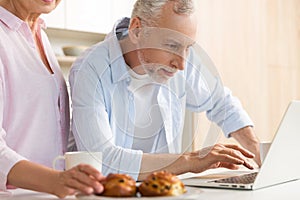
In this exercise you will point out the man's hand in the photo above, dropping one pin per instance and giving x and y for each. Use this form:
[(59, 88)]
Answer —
[(247, 138), (227, 156)]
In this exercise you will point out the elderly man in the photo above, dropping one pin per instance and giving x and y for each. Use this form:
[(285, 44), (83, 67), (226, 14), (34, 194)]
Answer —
[(130, 93)]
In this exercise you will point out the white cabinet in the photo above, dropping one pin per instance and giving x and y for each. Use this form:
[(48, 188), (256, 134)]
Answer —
[(89, 15), (121, 8)]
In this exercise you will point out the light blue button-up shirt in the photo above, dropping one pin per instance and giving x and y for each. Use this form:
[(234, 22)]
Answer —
[(104, 110)]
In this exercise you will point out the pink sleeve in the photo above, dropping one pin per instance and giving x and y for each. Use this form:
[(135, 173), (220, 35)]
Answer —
[(8, 157)]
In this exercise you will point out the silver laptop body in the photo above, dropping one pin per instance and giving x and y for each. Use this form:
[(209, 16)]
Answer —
[(281, 164)]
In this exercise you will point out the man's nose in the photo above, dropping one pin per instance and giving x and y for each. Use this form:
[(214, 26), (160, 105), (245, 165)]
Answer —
[(179, 61)]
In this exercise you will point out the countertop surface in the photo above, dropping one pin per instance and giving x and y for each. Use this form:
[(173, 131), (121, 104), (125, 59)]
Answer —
[(289, 190)]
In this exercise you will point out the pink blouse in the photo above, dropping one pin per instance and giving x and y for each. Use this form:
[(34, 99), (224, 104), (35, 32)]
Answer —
[(34, 107)]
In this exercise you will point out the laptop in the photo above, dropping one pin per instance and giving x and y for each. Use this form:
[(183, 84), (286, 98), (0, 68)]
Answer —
[(281, 164)]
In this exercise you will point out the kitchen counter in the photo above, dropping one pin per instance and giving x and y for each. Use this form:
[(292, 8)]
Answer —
[(288, 190), (283, 191)]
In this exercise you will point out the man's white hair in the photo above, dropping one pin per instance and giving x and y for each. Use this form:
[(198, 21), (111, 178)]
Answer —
[(149, 11)]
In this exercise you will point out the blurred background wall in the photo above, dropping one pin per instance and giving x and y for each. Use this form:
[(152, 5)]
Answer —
[(255, 45)]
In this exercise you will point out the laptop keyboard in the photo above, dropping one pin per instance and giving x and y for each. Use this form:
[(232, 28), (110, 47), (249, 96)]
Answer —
[(241, 179)]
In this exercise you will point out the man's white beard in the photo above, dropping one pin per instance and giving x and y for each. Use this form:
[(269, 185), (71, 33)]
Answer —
[(152, 69)]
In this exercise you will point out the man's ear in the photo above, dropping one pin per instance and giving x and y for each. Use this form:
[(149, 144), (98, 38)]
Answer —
[(135, 29)]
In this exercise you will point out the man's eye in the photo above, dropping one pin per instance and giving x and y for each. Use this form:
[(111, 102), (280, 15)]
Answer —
[(172, 46)]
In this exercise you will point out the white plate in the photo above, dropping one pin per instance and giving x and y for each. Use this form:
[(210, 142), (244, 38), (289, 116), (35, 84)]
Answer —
[(192, 193)]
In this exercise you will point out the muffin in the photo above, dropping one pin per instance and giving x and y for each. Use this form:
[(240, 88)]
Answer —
[(119, 185), (161, 184)]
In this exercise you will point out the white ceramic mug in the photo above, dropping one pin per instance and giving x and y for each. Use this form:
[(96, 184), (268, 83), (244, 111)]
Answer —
[(264, 148), (80, 157)]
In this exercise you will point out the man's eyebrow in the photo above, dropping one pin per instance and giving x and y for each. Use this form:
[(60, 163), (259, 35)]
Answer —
[(172, 40), (188, 43)]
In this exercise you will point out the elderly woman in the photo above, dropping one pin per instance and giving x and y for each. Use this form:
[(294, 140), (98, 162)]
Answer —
[(34, 113)]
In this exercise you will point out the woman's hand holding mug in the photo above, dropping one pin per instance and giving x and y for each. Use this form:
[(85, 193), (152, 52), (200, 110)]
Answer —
[(82, 173)]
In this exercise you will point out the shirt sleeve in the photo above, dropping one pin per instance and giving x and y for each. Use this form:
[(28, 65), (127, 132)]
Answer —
[(8, 157), (91, 127), (207, 93)]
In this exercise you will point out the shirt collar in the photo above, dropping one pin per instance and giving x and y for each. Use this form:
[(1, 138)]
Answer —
[(13, 22), (117, 62)]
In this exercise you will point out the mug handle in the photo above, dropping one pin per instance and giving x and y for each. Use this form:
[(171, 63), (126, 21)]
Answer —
[(56, 159)]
